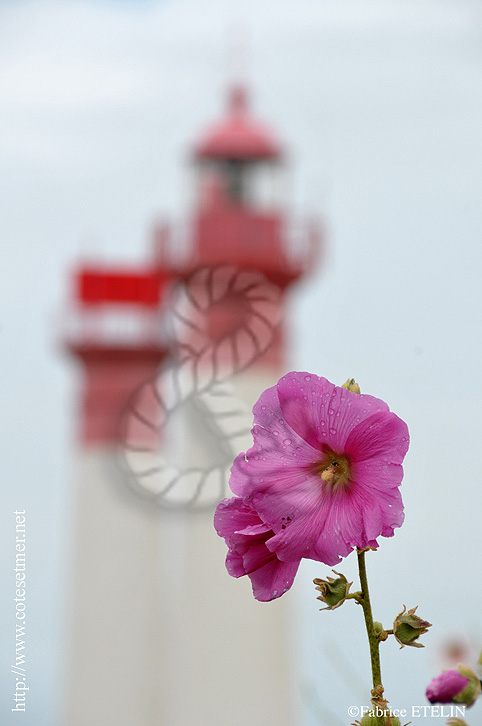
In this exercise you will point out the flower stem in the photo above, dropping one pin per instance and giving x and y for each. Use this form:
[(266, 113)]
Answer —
[(358, 596), (367, 612)]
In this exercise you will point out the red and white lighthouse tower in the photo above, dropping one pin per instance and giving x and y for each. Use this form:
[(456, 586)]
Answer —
[(160, 635), (241, 216)]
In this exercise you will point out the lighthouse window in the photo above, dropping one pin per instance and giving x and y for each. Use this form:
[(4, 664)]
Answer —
[(254, 183), (264, 185), (236, 185), (257, 184)]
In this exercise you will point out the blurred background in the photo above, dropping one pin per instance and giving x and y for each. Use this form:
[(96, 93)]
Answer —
[(380, 106)]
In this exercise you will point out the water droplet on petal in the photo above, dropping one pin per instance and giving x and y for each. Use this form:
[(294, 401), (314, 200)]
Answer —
[(287, 442), (332, 431), (330, 411), (307, 378), (275, 433)]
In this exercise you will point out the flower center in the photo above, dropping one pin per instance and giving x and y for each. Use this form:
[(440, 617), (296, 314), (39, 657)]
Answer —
[(333, 470)]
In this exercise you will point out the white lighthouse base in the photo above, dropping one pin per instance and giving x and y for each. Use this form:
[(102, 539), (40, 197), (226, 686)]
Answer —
[(159, 633)]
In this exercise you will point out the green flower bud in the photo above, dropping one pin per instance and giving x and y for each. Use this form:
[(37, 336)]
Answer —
[(351, 385), (408, 627), (382, 718), (456, 722), (380, 631), (333, 591), (471, 690)]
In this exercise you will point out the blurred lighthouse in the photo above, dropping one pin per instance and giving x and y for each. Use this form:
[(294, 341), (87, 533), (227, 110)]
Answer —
[(159, 634)]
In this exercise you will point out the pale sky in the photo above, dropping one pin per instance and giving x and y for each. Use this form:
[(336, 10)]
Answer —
[(380, 104)]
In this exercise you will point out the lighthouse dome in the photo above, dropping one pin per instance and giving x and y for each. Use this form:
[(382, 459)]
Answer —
[(238, 135)]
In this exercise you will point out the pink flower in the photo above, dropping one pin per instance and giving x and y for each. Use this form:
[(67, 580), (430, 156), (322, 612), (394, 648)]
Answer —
[(446, 687), (246, 536), (324, 472)]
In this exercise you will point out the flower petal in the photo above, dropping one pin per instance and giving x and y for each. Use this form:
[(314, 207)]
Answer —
[(381, 435), (313, 529), (273, 580), (246, 534), (234, 564), (271, 460), (233, 515), (377, 514), (326, 525), (377, 493), (250, 546), (293, 495), (302, 539), (446, 686), (321, 413), (268, 415)]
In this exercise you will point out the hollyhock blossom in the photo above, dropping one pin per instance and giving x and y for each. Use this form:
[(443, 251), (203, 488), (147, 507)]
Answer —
[(246, 536), (324, 472)]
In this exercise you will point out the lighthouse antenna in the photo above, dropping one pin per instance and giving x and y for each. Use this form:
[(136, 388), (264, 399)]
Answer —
[(238, 53)]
